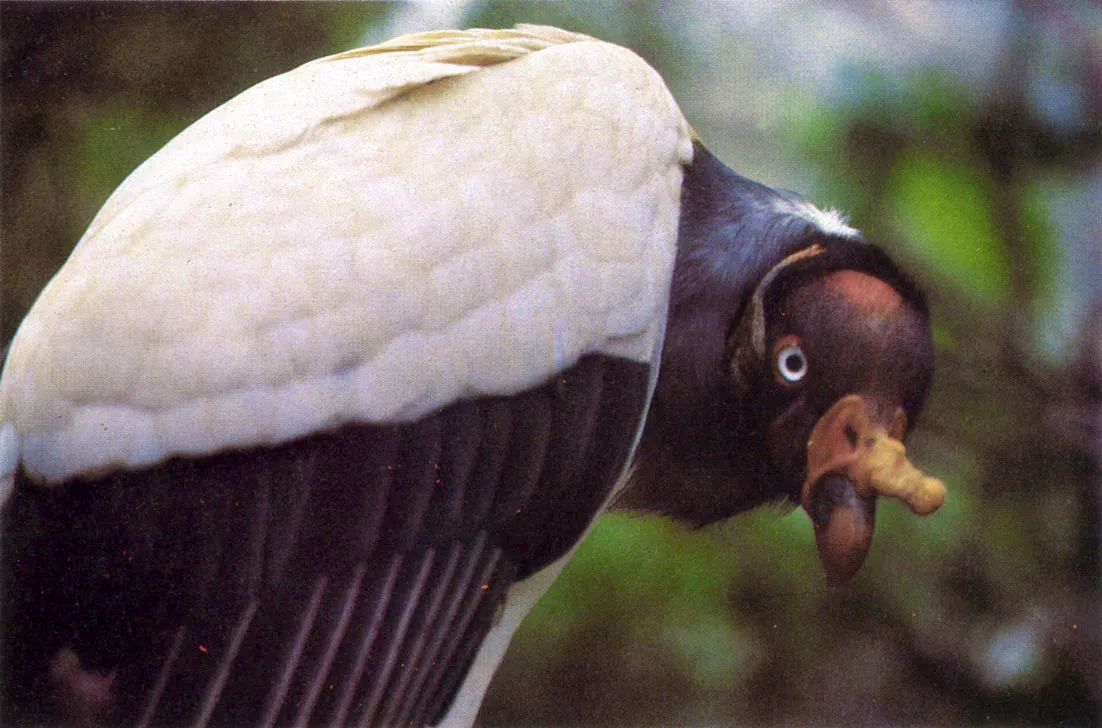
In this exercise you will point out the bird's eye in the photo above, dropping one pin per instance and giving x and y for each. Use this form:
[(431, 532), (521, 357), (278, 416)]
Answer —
[(791, 362)]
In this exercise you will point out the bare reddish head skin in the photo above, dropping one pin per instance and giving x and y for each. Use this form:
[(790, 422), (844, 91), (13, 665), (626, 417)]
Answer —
[(865, 292)]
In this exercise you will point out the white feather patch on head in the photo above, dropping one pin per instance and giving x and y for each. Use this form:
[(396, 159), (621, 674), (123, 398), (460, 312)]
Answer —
[(366, 238), (830, 221)]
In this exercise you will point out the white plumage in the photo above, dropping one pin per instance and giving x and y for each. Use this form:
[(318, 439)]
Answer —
[(428, 173)]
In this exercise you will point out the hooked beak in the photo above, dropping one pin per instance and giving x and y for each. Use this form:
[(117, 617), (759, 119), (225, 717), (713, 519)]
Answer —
[(850, 461)]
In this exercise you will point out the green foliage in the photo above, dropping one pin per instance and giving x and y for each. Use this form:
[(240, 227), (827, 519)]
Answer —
[(942, 207), (112, 141)]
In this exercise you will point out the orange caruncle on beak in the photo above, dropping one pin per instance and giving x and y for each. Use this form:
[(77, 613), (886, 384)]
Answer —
[(850, 461)]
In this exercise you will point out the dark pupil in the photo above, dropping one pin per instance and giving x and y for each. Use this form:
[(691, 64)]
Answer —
[(793, 362)]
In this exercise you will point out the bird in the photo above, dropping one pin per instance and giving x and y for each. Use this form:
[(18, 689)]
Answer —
[(337, 380)]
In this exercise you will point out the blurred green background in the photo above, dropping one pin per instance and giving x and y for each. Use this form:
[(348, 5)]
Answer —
[(966, 138)]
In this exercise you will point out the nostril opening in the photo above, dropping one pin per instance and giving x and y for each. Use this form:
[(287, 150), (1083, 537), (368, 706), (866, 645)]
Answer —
[(851, 436)]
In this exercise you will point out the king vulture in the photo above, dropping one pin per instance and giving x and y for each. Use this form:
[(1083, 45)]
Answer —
[(336, 381)]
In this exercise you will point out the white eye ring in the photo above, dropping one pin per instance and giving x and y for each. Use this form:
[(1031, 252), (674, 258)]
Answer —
[(791, 363)]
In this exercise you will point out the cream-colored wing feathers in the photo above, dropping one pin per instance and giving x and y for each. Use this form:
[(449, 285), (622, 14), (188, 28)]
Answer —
[(366, 238), (475, 46)]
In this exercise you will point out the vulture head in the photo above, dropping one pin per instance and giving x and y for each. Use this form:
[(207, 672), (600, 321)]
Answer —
[(791, 371), (337, 380)]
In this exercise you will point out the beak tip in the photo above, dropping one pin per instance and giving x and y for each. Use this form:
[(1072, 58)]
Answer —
[(843, 558), (844, 524)]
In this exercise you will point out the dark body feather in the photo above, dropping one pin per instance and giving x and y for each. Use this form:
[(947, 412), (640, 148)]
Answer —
[(347, 577)]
